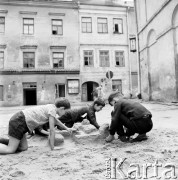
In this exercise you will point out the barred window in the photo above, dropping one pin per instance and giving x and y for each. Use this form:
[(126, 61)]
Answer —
[(28, 26), (86, 24), (73, 86)]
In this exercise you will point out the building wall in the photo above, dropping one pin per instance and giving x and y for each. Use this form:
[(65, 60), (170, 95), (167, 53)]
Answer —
[(109, 41), (13, 42), (157, 50)]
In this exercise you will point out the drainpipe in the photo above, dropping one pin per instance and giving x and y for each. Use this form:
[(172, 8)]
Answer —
[(130, 68), (138, 54)]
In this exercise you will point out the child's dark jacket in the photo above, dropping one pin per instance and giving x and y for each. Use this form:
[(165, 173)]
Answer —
[(74, 115)]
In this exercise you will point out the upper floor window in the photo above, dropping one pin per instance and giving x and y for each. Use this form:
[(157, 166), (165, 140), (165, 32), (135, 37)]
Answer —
[(118, 26), (57, 27), (88, 58), (104, 58), (1, 59), (102, 25), (28, 26), (2, 24), (86, 25), (58, 59), (119, 57), (28, 59)]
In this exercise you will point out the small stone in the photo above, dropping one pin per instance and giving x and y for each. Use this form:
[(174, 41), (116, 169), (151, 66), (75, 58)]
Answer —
[(17, 174), (58, 139)]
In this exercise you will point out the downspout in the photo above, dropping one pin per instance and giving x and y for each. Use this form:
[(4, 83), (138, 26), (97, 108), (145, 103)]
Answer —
[(138, 54), (130, 68)]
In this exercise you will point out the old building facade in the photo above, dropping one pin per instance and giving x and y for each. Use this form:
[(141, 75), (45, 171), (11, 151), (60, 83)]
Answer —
[(157, 29), (52, 49)]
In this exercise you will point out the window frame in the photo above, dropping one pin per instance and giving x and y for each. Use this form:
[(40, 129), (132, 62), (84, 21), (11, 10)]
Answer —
[(2, 93), (2, 60), (90, 31), (3, 24), (88, 57), (123, 61), (102, 25), (105, 57), (115, 80), (68, 88), (118, 32), (25, 52), (57, 52), (29, 25), (52, 20)]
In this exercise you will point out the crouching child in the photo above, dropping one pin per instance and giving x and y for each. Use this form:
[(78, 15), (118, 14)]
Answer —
[(29, 119), (128, 118), (72, 116)]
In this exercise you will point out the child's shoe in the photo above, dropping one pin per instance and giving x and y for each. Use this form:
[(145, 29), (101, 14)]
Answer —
[(140, 137)]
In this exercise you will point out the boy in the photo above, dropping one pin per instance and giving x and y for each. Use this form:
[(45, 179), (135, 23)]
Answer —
[(132, 115), (75, 115), (29, 119)]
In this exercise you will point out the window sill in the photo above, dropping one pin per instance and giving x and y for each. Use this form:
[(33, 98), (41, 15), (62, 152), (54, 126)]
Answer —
[(57, 35), (119, 66), (117, 33)]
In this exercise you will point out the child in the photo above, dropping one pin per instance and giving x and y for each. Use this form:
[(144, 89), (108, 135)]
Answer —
[(30, 118), (132, 115), (75, 115)]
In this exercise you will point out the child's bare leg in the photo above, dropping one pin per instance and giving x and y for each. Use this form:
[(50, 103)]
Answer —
[(23, 145), (11, 147)]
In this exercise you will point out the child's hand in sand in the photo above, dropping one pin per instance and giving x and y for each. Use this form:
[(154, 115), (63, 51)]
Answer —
[(71, 130), (110, 138)]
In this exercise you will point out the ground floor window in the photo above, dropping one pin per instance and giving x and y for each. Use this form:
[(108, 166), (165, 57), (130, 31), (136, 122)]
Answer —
[(1, 93), (117, 85), (73, 86), (60, 90), (1, 59)]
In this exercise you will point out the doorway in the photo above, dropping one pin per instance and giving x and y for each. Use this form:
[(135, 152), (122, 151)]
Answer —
[(60, 90), (87, 90), (29, 94)]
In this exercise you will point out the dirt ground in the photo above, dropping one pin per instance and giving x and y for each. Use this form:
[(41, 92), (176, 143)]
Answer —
[(86, 159)]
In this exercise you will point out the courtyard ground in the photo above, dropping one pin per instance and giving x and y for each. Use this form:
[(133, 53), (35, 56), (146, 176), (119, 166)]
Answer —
[(86, 159)]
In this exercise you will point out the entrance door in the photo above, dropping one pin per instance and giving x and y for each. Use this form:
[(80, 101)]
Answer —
[(60, 90), (87, 90), (29, 94)]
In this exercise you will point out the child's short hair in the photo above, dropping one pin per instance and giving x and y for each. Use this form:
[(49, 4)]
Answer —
[(62, 102), (113, 95), (99, 102)]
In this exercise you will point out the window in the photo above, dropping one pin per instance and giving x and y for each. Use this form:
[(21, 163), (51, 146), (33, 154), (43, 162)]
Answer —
[(60, 90), (117, 85), (104, 58), (57, 27), (88, 58), (28, 26), (118, 26), (102, 25), (86, 25), (1, 93), (29, 59), (1, 59), (119, 56), (2, 24), (73, 86), (58, 59)]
